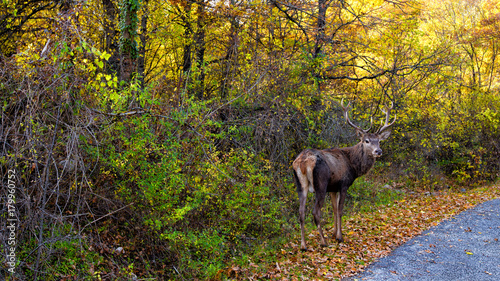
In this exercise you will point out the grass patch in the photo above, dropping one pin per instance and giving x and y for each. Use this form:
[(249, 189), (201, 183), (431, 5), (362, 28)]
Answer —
[(364, 196)]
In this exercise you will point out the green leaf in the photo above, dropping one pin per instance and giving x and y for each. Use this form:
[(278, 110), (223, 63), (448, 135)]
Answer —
[(105, 56)]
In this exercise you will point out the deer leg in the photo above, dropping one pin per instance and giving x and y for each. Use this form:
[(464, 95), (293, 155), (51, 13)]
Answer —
[(335, 204), (338, 215), (302, 188), (320, 199), (340, 203), (302, 217)]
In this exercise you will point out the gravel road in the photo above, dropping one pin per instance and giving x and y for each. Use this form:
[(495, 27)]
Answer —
[(465, 247)]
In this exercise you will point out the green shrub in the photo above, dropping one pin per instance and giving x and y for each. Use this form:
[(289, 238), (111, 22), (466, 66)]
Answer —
[(66, 256), (208, 204), (365, 196)]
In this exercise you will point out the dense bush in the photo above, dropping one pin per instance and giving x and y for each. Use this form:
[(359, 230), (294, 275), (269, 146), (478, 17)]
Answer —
[(207, 204), (439, 139)]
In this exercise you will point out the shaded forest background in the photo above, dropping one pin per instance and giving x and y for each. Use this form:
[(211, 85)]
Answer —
[(154, 138)]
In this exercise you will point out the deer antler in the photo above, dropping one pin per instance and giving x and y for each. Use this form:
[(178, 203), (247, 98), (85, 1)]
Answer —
[(346, 115), (387, 117)]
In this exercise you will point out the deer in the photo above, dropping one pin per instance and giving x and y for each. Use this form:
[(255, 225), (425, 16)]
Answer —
[(334, 170)]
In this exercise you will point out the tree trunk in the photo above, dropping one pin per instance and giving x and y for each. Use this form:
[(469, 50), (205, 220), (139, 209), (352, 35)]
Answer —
[(320, 32), (231, 59), (110, 43), (188, 31), (320, 38), (141, 60), (199, 40), (128, 45)]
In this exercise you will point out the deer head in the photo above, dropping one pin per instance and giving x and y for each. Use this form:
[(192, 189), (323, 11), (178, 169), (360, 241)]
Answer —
[(371, 141)]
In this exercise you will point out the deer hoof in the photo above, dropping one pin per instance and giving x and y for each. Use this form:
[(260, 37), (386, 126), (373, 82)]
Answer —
[(340, 240), (324, 245), (303, 249)]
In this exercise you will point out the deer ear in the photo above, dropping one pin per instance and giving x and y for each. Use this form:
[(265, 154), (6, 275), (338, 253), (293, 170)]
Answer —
[(384, 135)]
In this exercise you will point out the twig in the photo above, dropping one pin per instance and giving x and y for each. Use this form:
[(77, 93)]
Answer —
[(178, 272), (115, 211), (45, 48), (176, 269), (120, 114)]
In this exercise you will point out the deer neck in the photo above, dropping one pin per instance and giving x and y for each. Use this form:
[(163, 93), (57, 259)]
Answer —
[(361, 162)]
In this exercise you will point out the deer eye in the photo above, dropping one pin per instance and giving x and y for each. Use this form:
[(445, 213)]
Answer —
[(367, 141)]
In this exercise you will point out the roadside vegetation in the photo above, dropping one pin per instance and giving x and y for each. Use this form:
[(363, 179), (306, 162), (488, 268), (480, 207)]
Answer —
[(370, 235), (153, 140)]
